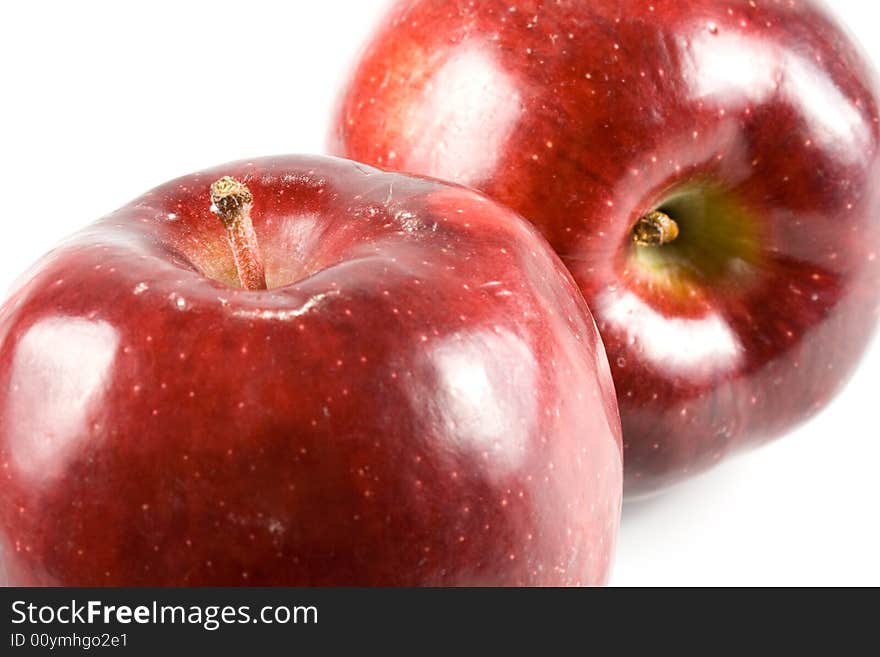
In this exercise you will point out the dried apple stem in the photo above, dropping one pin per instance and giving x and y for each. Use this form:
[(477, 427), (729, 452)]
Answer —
[(232, 203), (655, 229)]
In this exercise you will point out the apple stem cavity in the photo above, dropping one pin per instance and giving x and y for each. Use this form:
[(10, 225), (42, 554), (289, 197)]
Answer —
[(231, 201), (655, 229)]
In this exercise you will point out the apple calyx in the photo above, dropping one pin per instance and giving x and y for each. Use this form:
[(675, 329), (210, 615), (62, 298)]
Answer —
[(655, 229), (231, 201)]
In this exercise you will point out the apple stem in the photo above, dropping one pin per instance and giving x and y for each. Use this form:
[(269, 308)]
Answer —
[(655, 229), (231, 202)]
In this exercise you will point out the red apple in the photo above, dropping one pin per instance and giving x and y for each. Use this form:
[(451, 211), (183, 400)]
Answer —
[(707, 170), (419, 398)]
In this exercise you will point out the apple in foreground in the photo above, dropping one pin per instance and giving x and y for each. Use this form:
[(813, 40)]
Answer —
[(364, 379), (707, 170)]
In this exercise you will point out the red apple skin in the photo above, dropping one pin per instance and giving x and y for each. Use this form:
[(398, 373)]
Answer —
[(582, 116), (420, 398)]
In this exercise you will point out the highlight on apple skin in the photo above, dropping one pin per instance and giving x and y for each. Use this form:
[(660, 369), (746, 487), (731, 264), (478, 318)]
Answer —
[(305, 371), (748, 130)]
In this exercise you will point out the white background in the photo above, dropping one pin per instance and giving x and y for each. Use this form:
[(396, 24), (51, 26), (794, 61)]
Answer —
[(104, 100)]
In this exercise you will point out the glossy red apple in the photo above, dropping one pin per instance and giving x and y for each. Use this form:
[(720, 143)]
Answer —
[(707, 170), (419, 398)]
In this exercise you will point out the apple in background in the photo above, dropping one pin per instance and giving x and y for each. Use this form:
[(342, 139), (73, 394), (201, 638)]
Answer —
[(420, 397), (708, 171)]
